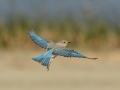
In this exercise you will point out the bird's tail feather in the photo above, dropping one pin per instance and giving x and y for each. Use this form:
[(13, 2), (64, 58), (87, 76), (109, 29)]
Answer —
[(38, 58), (44, 59)]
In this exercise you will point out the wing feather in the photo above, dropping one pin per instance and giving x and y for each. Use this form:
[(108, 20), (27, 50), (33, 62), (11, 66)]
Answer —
[(67, 52), (41, 42)]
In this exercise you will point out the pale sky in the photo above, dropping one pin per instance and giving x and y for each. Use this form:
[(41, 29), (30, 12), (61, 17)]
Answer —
[(50, 8)]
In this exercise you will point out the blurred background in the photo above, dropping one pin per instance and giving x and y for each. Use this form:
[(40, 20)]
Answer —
[(92, 26)]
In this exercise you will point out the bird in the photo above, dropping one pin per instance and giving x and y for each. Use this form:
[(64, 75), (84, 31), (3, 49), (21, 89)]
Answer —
[(53, 50)]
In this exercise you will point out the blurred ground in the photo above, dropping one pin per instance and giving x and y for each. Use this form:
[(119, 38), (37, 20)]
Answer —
[(19, 72), (91, 25)]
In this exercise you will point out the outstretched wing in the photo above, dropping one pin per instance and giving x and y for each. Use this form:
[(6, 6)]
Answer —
[(41, 42), (67, 52)]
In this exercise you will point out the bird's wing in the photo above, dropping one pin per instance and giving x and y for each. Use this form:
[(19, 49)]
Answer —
[(41, 42), (67, 52)]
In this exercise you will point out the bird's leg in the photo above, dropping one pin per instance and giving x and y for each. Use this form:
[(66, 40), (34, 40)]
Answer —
[(47, 68)]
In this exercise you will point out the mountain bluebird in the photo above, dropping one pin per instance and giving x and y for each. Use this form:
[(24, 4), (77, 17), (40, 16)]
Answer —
[(53, 50)]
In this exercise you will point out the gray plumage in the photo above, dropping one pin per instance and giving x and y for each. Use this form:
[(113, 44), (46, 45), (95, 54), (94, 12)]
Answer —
[(53, 50)]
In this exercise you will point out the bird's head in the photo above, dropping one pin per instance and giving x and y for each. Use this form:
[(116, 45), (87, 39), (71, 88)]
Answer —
[(63, 43)]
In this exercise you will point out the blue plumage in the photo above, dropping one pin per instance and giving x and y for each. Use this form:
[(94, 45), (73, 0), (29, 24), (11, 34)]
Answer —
[(41, 42), (67, 52), (54, 49), (45, 58)]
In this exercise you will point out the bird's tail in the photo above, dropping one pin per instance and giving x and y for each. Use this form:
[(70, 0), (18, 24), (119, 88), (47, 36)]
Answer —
[(44, 59)]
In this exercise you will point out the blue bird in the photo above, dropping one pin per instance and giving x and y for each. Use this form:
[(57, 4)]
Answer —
[(53, 50)]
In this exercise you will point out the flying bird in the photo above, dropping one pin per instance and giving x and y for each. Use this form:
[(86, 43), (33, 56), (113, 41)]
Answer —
[(53, 50)]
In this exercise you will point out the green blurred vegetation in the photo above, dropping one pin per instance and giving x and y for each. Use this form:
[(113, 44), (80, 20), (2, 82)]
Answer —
[(89, 32)]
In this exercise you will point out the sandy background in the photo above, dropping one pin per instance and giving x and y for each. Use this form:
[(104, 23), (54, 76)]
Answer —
[(93, 27), (19, 72)]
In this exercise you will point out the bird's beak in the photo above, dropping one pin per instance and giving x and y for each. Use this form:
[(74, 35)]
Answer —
[(69, 42)]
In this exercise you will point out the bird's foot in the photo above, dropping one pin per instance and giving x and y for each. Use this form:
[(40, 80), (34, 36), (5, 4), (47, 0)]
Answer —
[(47, 68)]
